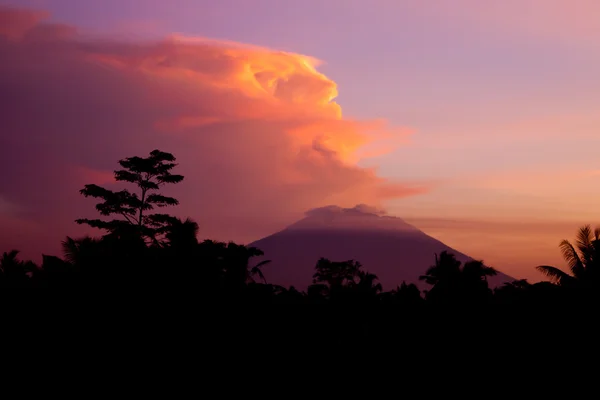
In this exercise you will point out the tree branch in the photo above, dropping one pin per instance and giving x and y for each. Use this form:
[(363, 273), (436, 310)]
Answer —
[(127, 218)]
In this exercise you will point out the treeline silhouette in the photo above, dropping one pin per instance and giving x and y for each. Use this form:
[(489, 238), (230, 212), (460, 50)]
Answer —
[(146, 250)]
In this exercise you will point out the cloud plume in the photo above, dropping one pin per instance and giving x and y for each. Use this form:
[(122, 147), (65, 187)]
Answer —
[(257, 132)]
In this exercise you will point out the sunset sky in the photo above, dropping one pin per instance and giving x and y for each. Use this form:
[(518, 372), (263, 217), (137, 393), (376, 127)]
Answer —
[(477, 121)]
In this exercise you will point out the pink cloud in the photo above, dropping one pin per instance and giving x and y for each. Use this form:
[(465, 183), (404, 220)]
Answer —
[(15, 23), (256, 131), (98, 177)]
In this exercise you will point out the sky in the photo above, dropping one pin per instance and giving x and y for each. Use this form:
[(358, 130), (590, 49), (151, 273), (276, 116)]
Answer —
[(477, 121)]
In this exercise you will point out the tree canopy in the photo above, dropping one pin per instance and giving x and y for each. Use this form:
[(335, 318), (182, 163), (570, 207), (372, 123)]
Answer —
[(134, 209)]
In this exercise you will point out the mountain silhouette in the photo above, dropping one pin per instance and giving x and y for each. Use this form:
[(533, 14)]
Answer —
[(385, 245)]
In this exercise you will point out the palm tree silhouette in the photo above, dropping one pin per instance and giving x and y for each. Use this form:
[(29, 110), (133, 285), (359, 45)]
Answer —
[(182, 234), (9, 260), (234, 262), (366, 283), (451, 282), (445, 269), (476, 271), (79, 251), (14, 272), (257, 271), (583, 259), (406, 294)]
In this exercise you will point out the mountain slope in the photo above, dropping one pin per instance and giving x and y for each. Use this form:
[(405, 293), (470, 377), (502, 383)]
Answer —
[(386, 246)]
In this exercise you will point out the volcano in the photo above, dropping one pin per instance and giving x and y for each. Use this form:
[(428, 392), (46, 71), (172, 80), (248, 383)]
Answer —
[(385, 245)]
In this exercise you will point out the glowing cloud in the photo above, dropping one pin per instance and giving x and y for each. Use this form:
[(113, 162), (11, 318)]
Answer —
[(257, 132)]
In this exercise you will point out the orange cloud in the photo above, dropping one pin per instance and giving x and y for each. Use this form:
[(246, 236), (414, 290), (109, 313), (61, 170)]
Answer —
[(257, 132)]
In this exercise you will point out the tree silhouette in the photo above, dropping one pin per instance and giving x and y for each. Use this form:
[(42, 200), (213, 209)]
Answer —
[(182, 235), (583, 259), (257, 270), (475, 271), (405, 294), (445, 269), (15, 273), (56, 272), (336, 274), (453, 283), (9, 261), (237, 264), (79, 252), (220, 266), (148, 174), (343, 281), (514, 292), (366, 283)]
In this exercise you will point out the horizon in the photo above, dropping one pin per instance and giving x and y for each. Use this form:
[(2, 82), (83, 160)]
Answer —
[(476, 123)]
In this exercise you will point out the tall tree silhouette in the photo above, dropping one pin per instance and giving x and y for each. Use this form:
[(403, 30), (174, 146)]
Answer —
[(148, 174), (583, 259)]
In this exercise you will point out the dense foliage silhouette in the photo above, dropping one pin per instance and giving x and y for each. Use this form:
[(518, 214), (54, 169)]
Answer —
[(142, 250)]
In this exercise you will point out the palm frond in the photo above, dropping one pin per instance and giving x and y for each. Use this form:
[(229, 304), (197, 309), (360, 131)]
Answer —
[(70, 249), (8, 260), (30, 267), (584, 238), (260, 264), (572, 258), (432, 280), (257, 271), (11, 255), (556, 275)]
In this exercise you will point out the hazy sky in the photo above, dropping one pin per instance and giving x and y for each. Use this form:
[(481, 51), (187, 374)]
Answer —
[(482, 117)]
